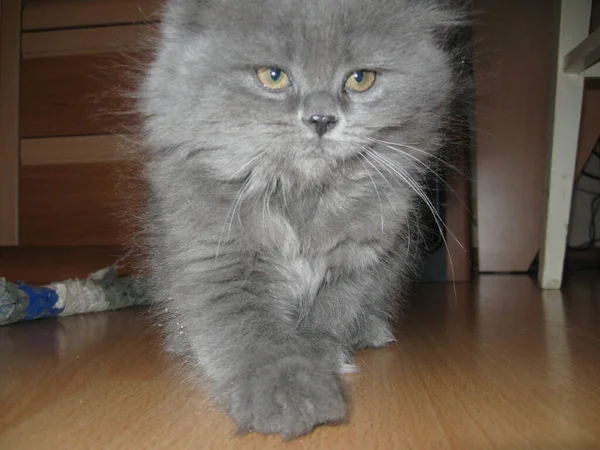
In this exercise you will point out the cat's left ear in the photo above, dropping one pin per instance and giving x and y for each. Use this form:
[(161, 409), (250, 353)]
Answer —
[(450, 22)]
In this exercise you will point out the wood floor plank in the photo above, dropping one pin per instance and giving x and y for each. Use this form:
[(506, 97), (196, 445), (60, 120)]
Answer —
[(501, 365)]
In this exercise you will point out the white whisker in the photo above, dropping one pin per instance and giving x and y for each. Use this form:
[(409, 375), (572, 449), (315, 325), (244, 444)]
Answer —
[(422, 163), (377, 192), (416, 149), (231, 212), (264, 208), (378, 171), (405, 176), (382, 176), (408, 179), (247, 163), (271, 190), (235, 207)]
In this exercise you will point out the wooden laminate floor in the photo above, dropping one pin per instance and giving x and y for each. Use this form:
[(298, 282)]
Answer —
[(500, 366)]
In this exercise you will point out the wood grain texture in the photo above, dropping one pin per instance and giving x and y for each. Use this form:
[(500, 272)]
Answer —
[(74, 150), (10, 64), (45, 264), (514, 66), (502, 366), (51, 14), (75, 204), (86, 41), (77, 95)]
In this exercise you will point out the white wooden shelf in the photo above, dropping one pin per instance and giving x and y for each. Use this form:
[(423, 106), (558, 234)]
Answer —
[(578, 54), (585, 55)]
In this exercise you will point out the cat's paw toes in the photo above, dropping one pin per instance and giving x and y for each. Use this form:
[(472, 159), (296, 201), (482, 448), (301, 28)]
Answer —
[(290, 397), (376, 334), (346, 365)]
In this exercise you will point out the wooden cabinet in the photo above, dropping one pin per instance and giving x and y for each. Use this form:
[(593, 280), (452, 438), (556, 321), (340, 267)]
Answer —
[(10, 57), (516, 70), (67, 67)]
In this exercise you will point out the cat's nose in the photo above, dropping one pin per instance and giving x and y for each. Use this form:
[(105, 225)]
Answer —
[(323, 123)]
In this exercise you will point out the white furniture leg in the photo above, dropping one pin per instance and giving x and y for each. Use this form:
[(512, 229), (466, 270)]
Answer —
[(565, 121)]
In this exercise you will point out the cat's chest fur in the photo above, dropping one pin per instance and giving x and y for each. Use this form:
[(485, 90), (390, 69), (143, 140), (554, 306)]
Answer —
[(315, 239)]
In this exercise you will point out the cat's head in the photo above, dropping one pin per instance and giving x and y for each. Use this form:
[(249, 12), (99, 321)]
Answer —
[(295, 87)]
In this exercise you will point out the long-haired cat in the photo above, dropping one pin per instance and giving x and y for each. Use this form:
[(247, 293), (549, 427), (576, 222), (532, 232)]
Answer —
[(287, 142)]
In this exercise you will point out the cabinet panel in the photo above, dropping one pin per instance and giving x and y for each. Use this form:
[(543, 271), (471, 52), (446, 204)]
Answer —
[(515, 50), (76, 204), (10, 38), (76, 95), (52, 14)]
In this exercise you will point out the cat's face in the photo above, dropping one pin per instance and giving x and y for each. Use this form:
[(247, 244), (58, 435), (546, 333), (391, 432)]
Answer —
[(293, 87)]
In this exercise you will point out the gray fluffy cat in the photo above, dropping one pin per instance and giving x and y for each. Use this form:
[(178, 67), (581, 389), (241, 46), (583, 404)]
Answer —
[(287, 142)]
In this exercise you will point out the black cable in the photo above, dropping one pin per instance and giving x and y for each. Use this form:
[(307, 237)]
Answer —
[(585, 191), (594, 207), (434, 192), (590, 175)]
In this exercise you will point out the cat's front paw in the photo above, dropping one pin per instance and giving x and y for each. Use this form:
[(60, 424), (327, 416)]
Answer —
[(289, 397), (375, 333)]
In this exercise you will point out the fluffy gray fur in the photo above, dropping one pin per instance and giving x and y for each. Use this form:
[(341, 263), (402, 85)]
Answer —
[(275, 252)]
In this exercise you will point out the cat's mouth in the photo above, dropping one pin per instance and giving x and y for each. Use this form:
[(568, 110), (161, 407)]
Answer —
[(329, 150)]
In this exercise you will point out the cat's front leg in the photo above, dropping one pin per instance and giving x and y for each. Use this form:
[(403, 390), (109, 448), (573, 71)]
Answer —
[(358, 309), (268, 377)]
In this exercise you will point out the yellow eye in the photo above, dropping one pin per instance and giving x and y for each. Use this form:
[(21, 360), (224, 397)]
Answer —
[(273, 78), (360, 81)]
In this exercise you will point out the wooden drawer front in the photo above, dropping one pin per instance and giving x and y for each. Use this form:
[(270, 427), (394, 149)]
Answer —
[(53, 14), (75, 204), (75, 95), (76, 87), (79, 82)]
